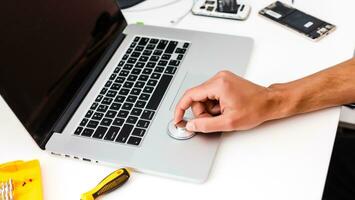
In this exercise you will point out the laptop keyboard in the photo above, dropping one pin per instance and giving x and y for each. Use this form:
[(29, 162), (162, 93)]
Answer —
[(127, 103)]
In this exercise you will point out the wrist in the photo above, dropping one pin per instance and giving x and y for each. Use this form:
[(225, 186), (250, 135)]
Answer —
[(284, 101)]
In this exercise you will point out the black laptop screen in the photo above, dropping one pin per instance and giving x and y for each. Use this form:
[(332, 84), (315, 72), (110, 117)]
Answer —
[(47, 49)]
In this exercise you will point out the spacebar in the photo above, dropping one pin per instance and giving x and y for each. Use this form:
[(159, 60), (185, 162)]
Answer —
[(159, 92)]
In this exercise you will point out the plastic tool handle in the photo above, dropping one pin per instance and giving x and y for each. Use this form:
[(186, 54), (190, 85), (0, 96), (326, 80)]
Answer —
[(111, 182)]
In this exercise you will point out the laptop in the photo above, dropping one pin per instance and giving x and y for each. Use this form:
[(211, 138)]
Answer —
[(87, 86)]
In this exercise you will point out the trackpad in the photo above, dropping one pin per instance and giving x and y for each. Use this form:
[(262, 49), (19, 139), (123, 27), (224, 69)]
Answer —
[(190, 80)]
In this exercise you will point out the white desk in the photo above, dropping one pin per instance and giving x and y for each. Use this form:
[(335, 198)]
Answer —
[(284, 159)]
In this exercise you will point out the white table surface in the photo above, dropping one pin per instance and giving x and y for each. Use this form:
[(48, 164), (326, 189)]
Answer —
[(284, 159)]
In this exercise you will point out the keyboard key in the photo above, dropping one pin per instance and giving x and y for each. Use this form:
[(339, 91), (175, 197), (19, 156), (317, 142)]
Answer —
[(139, 48), (136, 54), (159, 92), (108, 83), (117, 69), (143, 124), (143, 77), (118, 122), (131, 99), (144, 97), (94, 106), (112, 133), (162, 44), (136, 71), (115, 86), (139, 84), (171, 47), (155, 76), (134, 140), (132, 77), (180, 50), (159, 69), (120, 99), (154, 41), (147, 114), (125, 57), (115, 106), (140, 104), (128, 84), (119, 79), (123, 113), (147, 52), (136, 39), (136, 91), (143, 41), (136, 111), (158, 52), (103, 91), (99, 98), (92, 124), (150, 46), (143, 58), (154, 58), (89, 113), (100, 132), (186, 44), (174, 62), (147, 71), (98, 116), (124, 133), (127, 106), (152, 82), (163, 63), (120, 63), (151, 64), (138, 132), (170, 70), (128, 66), (107, 101), (84, 121), (87, 132), (124, 73), (132, 119), (111, 114), (139, 65), (106, 122), (111, 93), (132, 60), (112, 77), (166, 56), (102, 108), (148, 89), (78, 130), (133, 44), (179, 57), (124, 91), (129, 50)]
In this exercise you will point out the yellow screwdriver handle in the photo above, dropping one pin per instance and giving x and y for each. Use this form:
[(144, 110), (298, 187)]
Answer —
[(111, 182)]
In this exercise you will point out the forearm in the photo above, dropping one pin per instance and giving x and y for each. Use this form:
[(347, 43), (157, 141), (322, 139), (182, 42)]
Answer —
[(331, 87)]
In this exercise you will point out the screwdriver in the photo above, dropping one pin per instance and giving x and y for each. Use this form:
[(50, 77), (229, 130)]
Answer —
[(108, 184)]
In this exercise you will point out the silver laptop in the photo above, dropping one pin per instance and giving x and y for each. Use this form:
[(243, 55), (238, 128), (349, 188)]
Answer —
[(88, 86)]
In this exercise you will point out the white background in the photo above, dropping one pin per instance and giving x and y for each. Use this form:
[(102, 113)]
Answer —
[(284, 159)]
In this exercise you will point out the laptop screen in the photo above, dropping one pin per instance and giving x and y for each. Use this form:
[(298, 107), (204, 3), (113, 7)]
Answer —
[(47, 49)]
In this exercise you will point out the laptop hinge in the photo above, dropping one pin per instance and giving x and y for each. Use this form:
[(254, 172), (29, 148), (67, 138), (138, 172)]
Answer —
[(84, 89)]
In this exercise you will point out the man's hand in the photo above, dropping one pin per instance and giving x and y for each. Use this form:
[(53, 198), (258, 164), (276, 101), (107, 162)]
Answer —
[(226, 102)]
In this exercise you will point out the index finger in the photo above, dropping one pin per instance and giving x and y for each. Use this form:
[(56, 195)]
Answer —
[(198, 93)]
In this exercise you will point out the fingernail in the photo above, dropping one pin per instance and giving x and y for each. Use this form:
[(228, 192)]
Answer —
[(190, 126)]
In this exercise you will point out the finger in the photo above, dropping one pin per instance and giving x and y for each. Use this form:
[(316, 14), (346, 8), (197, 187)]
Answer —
[(199, 110), (213, 107), (209, 124), (194, 94)]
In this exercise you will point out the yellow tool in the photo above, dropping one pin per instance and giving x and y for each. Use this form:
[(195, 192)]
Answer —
[(111, 182)]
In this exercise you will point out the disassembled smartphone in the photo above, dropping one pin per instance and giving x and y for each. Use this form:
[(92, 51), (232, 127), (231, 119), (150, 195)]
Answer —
[(229, 9), (309, 26)]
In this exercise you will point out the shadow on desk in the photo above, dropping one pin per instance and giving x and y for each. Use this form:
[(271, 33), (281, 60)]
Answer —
[(340, 183)]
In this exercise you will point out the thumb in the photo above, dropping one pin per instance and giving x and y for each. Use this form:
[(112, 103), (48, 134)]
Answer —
[(209, 124)]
